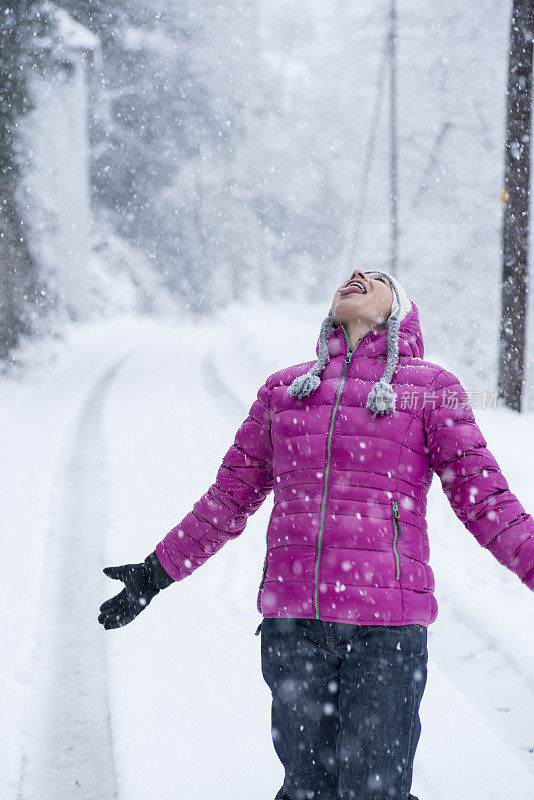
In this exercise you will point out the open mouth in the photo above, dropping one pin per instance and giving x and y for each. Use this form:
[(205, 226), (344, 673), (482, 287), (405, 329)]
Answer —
[(353, 286)]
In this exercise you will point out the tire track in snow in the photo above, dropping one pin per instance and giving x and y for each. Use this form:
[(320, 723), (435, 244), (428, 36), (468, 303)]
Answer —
[(68, 750), (482, 670), (217, 388)]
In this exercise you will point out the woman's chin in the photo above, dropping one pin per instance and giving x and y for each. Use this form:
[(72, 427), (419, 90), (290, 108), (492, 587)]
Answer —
[(353, 300), (348, 307)]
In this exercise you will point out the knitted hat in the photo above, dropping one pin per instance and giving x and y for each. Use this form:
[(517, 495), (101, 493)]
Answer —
[(381, 398)]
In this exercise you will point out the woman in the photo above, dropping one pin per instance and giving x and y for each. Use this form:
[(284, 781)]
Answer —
[(346, 592)]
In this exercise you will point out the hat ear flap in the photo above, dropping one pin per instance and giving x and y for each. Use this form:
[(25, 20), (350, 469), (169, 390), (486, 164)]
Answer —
[(305, 384)]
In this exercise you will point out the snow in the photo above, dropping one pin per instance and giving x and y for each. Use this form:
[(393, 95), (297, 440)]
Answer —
[(57, 190), (72, 34), (87, 269), (102, 455), (111, 432)]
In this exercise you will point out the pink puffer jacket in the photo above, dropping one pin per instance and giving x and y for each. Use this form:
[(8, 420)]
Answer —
[(347, 538)]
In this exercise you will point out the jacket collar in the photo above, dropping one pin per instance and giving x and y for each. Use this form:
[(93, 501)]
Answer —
[(374, 344)]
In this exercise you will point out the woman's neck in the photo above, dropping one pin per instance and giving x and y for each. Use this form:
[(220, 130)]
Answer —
[(358, 328)]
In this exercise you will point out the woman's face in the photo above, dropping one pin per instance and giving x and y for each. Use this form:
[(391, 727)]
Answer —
[(365, 297)]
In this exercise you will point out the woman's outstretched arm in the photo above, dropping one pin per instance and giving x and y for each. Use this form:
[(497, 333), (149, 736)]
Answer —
[(473, 481), (243, 481)]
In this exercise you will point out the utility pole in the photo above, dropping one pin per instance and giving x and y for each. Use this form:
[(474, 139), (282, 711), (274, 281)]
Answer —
[(515, 197)]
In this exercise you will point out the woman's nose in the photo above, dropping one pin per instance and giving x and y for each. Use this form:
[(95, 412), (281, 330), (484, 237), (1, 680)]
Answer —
[(358, 275)]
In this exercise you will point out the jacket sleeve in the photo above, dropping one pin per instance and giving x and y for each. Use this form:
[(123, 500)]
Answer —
[(473, 482), (243, 481)]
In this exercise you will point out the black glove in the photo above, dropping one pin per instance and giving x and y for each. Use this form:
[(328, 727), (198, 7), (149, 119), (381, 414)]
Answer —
[(141, 583)]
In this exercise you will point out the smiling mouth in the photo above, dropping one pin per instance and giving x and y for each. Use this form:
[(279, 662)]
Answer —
[(353, 287)]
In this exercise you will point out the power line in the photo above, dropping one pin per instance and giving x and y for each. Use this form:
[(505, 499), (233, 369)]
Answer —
[(368, 159), (388, 60)]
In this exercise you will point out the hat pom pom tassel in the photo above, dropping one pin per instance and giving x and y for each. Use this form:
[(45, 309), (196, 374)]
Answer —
[(381, 399), (304, 385)]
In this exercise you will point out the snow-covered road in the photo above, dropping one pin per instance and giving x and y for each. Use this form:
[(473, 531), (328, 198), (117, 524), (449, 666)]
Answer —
[(70, 747), (102, 455)]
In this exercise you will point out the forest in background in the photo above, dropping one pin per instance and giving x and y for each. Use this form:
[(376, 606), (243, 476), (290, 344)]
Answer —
[(224, 157)]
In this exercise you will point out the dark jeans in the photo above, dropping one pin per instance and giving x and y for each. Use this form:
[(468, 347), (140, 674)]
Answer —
[(345, 708)]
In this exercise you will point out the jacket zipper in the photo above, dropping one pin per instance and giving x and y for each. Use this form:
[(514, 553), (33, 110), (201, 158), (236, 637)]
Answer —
[(398, 532), (266, 547), (348, 357)]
